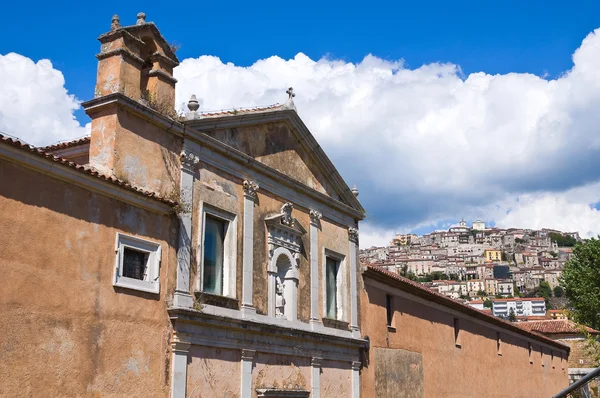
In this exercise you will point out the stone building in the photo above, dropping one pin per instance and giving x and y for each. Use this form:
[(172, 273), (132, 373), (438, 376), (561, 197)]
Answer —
[(422, 344), (214, 256)]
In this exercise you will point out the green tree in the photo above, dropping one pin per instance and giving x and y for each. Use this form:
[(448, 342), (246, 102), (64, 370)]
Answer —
[(481, 293), (511, 316), (545, 290), (581, 282), (559, 291), (563, 240), (487, 303)]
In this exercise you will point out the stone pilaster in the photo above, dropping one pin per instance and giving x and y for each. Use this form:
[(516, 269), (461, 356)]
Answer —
[(315, 364), (315, 223), (246, 384), (179, 354), (250, 189), (182, 296), (353, 257), (356, 379)]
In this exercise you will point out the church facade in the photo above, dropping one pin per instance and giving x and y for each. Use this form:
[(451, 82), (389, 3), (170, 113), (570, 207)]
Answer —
[(212, 256)]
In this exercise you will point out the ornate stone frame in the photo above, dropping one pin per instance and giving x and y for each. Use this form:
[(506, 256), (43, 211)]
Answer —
[(284, 237)]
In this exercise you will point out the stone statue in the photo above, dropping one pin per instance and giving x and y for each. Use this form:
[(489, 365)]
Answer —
[(279, 300)]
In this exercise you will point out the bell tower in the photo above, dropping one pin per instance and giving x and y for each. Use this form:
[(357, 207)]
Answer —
[(138, 62)]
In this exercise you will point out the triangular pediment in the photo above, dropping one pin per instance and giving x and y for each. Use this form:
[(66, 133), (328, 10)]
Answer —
[(280, 140)]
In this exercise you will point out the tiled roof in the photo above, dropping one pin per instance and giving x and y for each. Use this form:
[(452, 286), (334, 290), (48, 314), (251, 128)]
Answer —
[(432, 295), (81, 168), (242, 111), (66, 144), (555, 326)]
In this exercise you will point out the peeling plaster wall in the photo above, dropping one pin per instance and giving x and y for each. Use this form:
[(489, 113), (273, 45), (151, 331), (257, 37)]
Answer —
[(280, 371), (66, 331), (213, 372), (136, 151), (450, 371), (275, 145), (336, 380)]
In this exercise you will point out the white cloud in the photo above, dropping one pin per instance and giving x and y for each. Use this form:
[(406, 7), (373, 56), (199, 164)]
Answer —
[(424, 145), (34, 104), (430, 144)]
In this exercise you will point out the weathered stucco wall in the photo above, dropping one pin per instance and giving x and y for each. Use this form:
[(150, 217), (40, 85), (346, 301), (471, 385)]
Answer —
[(429, 332), (275, 145), (336, 379), (136, 151), (66, 331), (213, 372), (280, 371)]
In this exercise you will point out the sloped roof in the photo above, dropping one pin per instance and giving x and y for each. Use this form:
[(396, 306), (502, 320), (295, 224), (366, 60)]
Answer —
[(66, 144), (556, 326), (84, 169)]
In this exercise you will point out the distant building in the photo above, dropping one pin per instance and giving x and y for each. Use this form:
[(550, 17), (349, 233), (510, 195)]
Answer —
[(493, 255), (520, 306), (478, 225)]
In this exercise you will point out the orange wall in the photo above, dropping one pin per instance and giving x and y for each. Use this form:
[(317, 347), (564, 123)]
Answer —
[(433, 364), (65, 330)]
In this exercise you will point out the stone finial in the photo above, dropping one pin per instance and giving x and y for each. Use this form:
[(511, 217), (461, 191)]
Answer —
[(290, 93), (193, 106), (355, 191), (141, 18), (115, 22)]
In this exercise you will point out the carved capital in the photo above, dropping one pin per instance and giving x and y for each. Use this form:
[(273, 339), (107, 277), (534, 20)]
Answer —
[(356, 365), (316, 362), (250, 189), (315, 217), (286, 214), (248, 355), (353, 234), (189, 160)]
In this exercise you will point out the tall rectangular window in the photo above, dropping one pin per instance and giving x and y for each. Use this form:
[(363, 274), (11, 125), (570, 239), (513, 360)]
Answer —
[(214, 243), (332, 267), (389, 309)]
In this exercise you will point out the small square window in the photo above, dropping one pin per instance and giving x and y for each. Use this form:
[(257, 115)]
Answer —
[(137, 264)]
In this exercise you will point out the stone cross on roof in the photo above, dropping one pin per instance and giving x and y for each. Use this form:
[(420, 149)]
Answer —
[(290, 93)]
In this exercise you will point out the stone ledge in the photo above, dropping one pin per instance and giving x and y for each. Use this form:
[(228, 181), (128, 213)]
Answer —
[(219, 301)]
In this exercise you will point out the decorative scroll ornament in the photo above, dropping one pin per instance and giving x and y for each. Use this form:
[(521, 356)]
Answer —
[(189, 160), (353, 234), (250, 188), (286, 214), (315, 216)]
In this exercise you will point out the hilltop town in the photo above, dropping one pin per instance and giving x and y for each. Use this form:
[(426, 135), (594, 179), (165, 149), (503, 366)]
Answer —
[(511, 270)]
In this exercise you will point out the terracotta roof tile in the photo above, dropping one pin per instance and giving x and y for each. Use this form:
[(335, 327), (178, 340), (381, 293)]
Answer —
[(85, 169), (242, 111), (66, 144), (555, 326)]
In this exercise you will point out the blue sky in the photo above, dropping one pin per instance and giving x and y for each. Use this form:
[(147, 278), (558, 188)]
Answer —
[(258, 44)]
